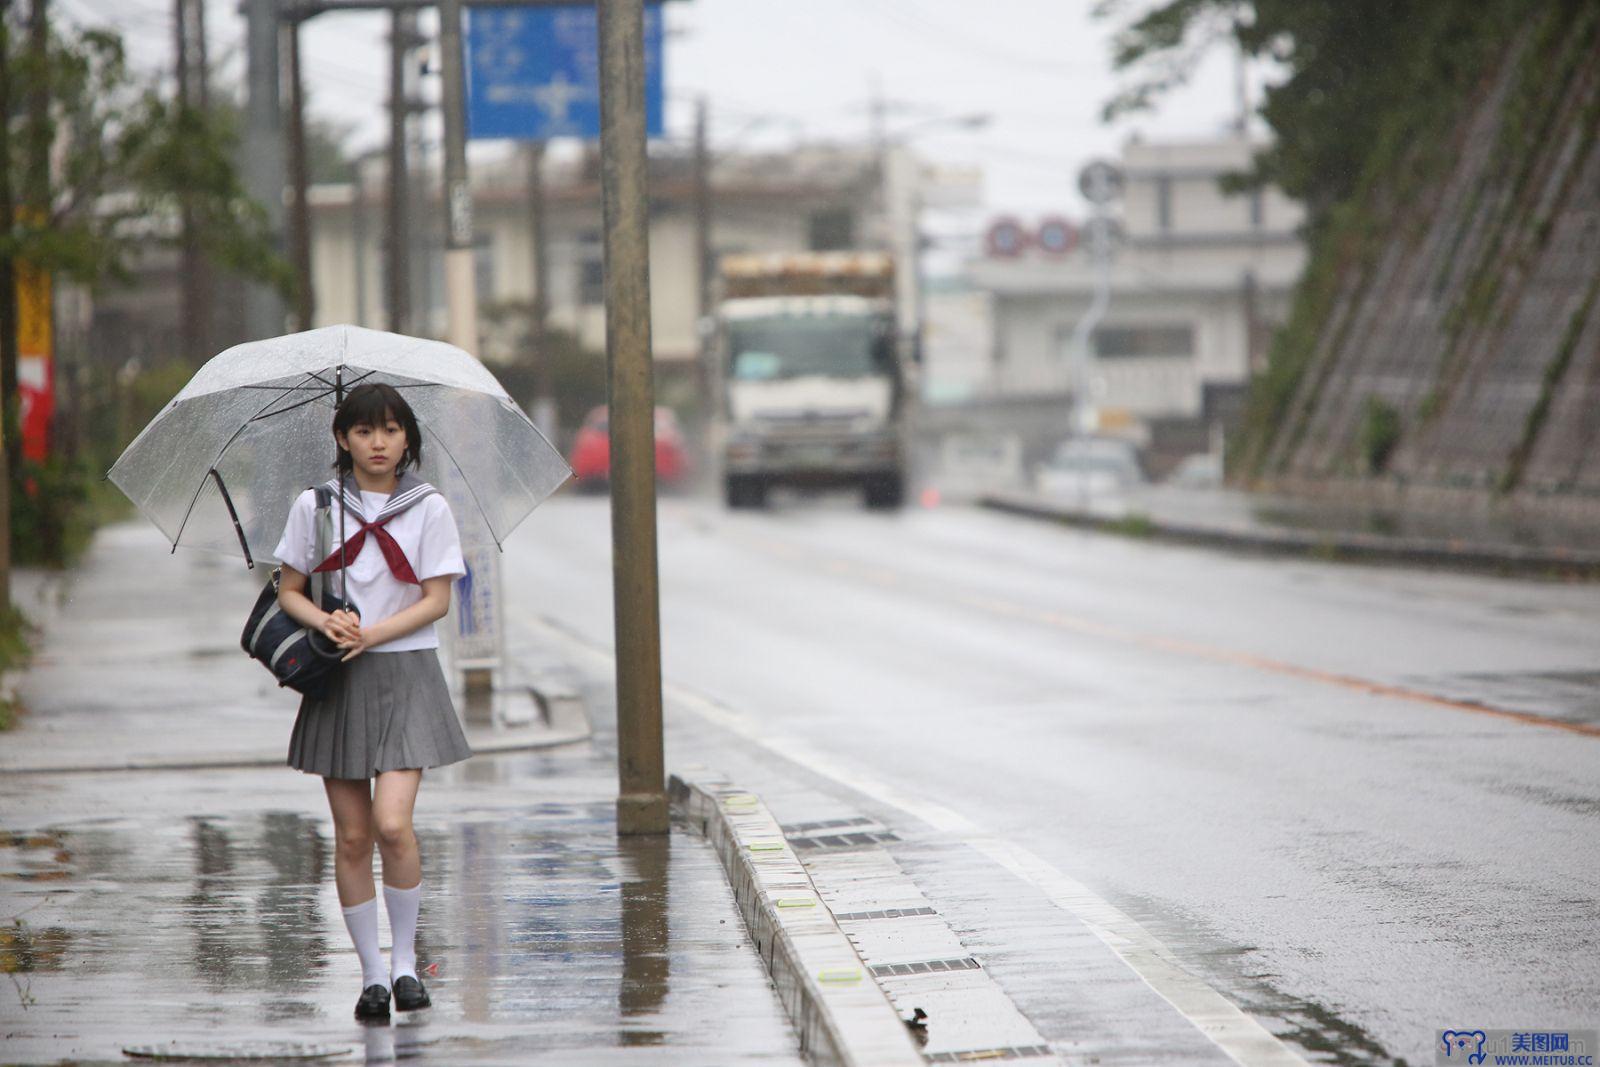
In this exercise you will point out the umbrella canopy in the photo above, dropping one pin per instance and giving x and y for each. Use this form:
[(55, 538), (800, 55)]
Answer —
[(260, 414)]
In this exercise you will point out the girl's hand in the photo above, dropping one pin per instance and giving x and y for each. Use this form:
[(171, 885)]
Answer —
[(342, 627), (356, 647)]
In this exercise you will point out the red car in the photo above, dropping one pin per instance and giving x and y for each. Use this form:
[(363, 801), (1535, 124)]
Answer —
[(591, 450)]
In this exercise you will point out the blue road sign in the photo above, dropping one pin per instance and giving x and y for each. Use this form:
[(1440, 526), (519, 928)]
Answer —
[(534, 73)]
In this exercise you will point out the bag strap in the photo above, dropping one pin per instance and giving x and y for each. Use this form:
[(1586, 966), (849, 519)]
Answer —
[(323, 522)]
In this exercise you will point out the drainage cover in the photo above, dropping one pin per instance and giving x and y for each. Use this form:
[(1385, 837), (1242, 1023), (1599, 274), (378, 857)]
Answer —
[(181, 1051)]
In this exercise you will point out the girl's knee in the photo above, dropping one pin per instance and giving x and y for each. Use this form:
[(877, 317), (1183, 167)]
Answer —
[(394, 831), (354, 843)]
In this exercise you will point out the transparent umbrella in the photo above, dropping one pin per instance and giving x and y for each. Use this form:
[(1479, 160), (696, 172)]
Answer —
[(220, 465)]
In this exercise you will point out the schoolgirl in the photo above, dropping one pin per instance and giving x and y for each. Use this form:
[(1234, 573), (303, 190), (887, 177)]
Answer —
[(387, 714)]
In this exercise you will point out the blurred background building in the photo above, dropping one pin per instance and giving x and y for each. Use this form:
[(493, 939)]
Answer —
[(1199, 279)]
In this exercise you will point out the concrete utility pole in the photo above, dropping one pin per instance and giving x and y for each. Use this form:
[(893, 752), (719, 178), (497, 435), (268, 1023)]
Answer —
[(460, 281), (263, 151), (397, 287), (192, 68), (702, 205), (642, 803), (300, 181), (8, 299), (544, 402)]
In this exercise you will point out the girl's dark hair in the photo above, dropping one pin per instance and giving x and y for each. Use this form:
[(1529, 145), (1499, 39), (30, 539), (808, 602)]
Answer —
[(374, 404)]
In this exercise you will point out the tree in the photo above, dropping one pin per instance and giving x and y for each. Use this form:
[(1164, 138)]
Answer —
[(109, 165), (1360, 76)]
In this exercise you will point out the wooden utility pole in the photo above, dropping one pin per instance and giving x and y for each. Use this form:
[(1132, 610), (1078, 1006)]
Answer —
[(300, 182), (642, 803), (402, 31)]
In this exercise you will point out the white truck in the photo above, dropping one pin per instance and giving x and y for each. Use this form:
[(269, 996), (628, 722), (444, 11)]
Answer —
[(811, 380)]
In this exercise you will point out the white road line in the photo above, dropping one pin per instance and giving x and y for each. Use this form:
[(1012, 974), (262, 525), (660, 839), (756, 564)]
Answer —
[(1241, 1037)]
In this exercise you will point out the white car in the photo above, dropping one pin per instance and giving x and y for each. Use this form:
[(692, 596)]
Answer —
[(1089, 467)]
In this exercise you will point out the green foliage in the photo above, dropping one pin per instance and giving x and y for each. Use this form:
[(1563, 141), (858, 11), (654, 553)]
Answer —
[(1363, 126), (13, 654), (1365, 78), (126, 162), (1380, 433)]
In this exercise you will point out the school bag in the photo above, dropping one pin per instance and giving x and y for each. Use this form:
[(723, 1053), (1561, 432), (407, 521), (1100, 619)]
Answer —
[(298, 656)]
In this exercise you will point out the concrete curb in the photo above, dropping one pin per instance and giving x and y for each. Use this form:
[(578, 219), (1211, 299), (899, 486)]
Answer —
[(842, 1016), (1342, 546)]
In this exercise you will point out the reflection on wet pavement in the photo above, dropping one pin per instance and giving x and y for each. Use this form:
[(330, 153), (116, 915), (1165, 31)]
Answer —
[(196, 911)]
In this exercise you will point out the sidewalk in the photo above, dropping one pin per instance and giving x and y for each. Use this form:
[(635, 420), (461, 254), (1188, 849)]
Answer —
[(141, 653), (176, 911), (1231, 519)]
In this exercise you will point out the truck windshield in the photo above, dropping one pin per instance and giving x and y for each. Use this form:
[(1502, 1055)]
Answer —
[(834, 346)]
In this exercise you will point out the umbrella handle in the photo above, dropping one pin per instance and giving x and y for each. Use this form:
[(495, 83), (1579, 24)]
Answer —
[(249, 561)]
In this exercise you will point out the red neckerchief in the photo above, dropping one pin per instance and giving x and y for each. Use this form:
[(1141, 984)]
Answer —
[(409, 490), (399, 566)]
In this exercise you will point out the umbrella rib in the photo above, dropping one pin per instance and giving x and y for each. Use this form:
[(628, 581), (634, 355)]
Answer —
[(468, 482), (264, 414), (214, 461)]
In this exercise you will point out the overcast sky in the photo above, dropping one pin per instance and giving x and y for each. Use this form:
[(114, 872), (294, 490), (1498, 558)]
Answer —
[(780, 70)]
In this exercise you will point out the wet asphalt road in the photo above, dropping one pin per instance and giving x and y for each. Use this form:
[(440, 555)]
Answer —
[(1363, 803)]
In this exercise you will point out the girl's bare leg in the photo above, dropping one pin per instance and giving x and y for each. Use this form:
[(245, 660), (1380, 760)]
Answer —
[(350, 800), (394, 798)]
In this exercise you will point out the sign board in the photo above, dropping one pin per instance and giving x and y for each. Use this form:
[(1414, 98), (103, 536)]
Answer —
[(1100, 182), (1006, 238), (534, 73), (1056, 236), (474, 626), (35, 370)]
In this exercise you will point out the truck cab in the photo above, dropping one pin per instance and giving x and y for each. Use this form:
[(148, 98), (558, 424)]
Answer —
[(810, 377)]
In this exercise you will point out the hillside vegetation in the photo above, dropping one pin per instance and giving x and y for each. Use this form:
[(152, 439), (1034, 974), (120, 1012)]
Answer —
[(1446, 334)]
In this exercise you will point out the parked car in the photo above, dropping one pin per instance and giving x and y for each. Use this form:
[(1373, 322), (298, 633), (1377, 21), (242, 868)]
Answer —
[(1203, 471), (591, 450), (1089, 467)]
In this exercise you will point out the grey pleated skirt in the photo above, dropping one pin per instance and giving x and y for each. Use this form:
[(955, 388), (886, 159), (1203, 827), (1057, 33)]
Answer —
[(383, 711)]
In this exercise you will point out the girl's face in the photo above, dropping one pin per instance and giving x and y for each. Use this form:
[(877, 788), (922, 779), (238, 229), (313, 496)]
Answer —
[(376, 450)]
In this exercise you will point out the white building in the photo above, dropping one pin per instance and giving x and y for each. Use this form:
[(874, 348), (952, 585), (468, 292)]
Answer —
[(1198, 279)]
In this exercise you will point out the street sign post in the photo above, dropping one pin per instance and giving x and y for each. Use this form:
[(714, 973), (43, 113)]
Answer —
[(533, 73)]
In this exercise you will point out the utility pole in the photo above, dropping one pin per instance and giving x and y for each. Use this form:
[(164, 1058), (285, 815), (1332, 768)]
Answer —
[(703, 261), (263, 151), (460, 282), (544, 404), (8, 300), (300, 182), (402, 33), (194, 94), (358, 238), (642, 803), (702, 206)]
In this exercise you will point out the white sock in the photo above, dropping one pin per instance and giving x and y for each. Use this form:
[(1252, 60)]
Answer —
[(362, 922), (403, 905)]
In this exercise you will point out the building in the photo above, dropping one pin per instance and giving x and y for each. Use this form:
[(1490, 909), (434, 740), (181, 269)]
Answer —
[(810, 199), (1198, 280)]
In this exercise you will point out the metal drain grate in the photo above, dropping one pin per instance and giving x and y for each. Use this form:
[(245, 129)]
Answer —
[(882, 913), (1013, 1052), (843, 840), (886, 970), (827, 824)]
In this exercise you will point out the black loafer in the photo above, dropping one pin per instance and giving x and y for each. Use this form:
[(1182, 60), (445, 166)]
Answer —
[(409, 994), (374, 1003)]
